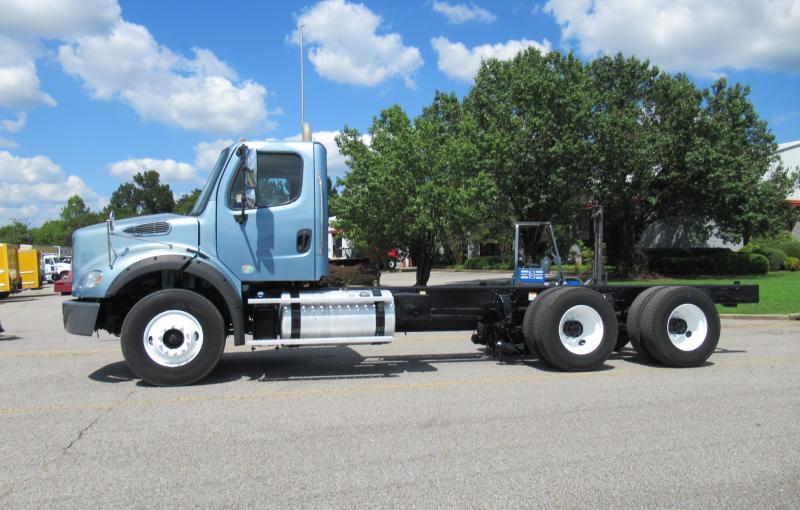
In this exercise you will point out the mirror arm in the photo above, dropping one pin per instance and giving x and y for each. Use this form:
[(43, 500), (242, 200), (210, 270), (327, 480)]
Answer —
[(242, 153)]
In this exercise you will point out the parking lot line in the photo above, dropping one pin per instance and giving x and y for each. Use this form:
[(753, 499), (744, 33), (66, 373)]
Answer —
[(640, 370)]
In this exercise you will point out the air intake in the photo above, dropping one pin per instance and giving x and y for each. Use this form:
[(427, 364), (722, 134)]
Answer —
[(155, 228)]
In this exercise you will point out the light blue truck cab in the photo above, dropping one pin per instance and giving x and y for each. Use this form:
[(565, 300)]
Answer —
[(260, 221)]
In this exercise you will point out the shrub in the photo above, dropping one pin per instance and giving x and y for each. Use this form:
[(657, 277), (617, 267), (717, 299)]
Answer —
[(791, 248), (720, 264), (774, 255), (344, 276), (792, 264)]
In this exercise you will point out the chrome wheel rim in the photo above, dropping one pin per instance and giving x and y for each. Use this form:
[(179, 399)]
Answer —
[(173, 338), (581, 329), (687, 327)]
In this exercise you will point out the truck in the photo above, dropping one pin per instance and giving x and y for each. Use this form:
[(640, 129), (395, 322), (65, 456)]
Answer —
[(248, 262), (55, 266)]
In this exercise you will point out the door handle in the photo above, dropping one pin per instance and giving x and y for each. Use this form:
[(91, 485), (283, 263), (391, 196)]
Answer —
[(303, 240)]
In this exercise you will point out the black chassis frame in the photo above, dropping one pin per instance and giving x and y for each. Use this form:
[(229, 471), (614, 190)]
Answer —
[(495, 312)]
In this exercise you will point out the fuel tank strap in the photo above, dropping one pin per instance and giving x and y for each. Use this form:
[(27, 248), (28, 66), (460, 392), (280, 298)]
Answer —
[(380, 315)]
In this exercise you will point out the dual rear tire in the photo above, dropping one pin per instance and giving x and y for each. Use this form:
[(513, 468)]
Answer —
[(575, 329), (571, 328), (674, 326)]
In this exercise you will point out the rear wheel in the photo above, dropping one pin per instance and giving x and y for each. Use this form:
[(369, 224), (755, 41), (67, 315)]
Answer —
[(173, 337), (530, 317), (575, 329), (680, 326), (633, 325), (62, 275)]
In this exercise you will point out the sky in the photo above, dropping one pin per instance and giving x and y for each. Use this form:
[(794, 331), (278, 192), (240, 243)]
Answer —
[(94, 91)]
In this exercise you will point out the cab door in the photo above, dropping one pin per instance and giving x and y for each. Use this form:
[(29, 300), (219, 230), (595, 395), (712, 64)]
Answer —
[(274, 239)]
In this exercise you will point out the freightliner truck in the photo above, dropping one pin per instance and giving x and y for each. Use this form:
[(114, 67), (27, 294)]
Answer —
[(248, 261)]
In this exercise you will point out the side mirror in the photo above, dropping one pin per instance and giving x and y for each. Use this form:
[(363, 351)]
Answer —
[(111, 218), (250, 169)]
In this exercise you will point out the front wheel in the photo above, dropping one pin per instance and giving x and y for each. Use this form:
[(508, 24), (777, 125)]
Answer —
[(173, 337), (391, 264)]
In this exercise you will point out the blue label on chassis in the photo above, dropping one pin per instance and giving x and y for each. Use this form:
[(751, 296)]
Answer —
[(530, 275)]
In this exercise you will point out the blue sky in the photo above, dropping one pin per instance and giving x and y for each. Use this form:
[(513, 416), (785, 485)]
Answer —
[(92, 91)]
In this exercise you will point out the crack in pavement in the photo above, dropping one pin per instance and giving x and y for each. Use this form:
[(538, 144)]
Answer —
[(64, 451), (84, 430)]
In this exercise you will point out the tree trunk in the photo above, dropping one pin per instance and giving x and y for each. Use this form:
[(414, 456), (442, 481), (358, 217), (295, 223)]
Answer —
[(423, 259)]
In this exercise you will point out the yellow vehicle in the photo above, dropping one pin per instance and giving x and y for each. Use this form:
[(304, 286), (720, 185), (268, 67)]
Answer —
[(29, 268), (9, 276)]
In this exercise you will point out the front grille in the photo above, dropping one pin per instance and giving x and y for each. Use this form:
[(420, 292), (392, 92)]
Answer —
[(155, 228)]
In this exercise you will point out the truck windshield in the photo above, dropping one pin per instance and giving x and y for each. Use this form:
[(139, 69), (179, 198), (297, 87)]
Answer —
[(208, 188)]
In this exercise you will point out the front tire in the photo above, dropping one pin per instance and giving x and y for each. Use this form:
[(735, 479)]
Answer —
[(391, 264), (173, 337), (575, 329)]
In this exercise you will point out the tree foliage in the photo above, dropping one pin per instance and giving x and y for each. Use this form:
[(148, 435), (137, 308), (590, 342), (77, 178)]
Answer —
[(186, 201), (416, 185), (557, 133), (145, 195)]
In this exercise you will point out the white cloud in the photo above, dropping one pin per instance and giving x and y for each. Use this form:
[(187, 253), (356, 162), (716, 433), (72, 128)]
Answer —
[(461, 13), (23, 23), (130, 65), (15, 126), (169, 169), (344, 45), (704, 38), (5, 143), (206, 153), (461, 63), (57, 19), (35, 189), (19, 87)]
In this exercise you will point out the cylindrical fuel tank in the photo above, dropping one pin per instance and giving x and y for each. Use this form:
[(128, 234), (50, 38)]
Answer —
[(337, 313)]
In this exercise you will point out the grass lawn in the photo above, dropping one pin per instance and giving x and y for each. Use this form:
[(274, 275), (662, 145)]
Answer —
[(779, 292)]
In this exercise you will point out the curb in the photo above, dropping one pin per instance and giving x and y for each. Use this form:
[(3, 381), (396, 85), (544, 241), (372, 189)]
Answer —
[(763, 317)]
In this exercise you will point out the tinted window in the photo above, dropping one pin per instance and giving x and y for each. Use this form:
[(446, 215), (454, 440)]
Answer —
[(279, 181)]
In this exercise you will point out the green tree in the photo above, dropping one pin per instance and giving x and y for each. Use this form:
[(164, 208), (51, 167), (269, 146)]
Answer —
[(532, 132), (52, 233), (186, 201), (15, 232), (556, 133), (145, 195), (746, 182), (416, 184)]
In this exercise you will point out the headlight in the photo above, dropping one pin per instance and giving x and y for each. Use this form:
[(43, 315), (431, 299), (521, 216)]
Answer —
[(90, 280)]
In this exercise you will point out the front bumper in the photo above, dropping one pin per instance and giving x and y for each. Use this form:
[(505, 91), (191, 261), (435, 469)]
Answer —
[(80, 317)]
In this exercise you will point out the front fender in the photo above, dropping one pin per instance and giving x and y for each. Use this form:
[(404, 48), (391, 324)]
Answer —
[(204, 269)]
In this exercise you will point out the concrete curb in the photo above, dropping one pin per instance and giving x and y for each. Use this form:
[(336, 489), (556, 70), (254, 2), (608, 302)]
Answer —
[(763, 317)]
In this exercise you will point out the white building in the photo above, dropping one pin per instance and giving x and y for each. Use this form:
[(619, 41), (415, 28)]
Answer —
[(790, 156)]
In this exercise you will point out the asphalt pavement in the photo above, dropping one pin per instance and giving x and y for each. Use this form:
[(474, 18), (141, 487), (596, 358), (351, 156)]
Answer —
[(428, 421)]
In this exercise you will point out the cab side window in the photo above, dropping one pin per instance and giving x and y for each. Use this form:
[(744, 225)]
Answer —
[(279, 181)]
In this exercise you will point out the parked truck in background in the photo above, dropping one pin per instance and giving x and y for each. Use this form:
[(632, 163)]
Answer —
[(56, 266), (248, 260)]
